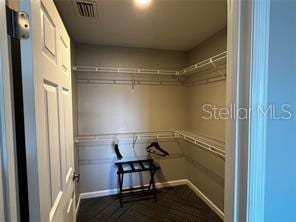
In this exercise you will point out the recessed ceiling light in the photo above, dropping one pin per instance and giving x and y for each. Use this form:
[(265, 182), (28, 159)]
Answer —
[(142, 3)]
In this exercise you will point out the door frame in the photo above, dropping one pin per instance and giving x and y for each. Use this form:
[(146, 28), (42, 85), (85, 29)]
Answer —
[(9, 206), (247, 76)]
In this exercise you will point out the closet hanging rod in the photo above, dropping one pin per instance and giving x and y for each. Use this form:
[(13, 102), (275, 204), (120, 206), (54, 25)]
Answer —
[(206, 143), (134, 135), (122, 81), (138, 137), (205, 81), (119, 82), (129, 71), (212, 141), (188, 83), (212, 145), (212, 61), (133, 132)]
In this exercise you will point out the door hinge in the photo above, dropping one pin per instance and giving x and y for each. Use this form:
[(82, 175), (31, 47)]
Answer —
[(18, 26)]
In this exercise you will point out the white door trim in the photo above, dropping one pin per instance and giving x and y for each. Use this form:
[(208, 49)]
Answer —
[(7, 138), (29, 117), (258, 121), (246, 87), (238, 43)]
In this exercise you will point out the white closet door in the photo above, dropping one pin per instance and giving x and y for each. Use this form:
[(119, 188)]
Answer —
[(48, 114)]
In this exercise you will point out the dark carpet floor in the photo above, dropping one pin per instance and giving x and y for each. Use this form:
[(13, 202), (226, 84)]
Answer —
[(178, 203)]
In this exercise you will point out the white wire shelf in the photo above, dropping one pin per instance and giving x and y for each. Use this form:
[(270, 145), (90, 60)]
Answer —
[(212, 62), (129, 82), (129, 71), (165, 134), (212, 145)]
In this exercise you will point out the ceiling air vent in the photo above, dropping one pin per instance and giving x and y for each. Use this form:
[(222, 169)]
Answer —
[(86, 8)]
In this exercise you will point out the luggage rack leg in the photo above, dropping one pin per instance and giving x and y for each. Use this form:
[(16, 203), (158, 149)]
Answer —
[(150, 188), (120, 183), (152, 182)]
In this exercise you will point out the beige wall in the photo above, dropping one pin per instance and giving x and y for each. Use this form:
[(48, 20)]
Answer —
[(116, 108), (210, 47), (205, 171), (211, 93), (124, 57)]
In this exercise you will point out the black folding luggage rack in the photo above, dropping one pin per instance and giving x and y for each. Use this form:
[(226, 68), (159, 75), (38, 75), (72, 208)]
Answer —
[(135, 167)]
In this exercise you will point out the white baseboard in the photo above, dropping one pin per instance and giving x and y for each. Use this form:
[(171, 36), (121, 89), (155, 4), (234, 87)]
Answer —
[(210, 203), (102, 193), (172, 183)]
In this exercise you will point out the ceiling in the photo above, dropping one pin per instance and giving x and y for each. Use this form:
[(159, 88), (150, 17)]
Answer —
[(166, 24)]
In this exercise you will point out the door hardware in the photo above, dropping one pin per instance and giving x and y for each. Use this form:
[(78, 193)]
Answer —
[(76, 177), (18, 26)]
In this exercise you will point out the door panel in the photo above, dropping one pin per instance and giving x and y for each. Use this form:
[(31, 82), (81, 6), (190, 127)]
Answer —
[(48, 35), (53, 140), (51, 109), (67, 100), (65, 52)]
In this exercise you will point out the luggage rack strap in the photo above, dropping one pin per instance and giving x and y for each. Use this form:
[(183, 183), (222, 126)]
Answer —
[(143, 165)]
